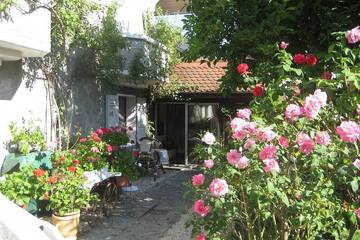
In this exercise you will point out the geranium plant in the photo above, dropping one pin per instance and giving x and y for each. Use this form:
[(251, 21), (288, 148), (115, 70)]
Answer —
[(290, 167), (67, 194), (114, 136)]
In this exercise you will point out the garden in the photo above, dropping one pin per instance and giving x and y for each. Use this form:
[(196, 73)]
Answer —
[(289, 166), (42, 180)]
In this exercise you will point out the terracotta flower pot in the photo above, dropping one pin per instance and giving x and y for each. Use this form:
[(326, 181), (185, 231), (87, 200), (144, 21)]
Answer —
[(122, 181), (67, 225)]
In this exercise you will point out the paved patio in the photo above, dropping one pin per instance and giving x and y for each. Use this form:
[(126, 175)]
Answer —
[(157, 211)]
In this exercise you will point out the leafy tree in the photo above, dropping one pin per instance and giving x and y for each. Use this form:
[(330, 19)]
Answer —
[(245, 30)]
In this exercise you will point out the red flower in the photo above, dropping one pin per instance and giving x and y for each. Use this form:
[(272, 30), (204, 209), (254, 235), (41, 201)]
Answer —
[(75, 161), (108, 148), (242, 68), (82, 140), (299, 58), (51, 180), (135, 154), (99, 131), (311, 60), (258, 91), (39, 172), (71, 169), (326, 75), (105, 130)]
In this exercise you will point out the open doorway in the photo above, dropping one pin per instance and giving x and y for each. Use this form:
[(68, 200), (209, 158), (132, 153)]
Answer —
[(171, 130)]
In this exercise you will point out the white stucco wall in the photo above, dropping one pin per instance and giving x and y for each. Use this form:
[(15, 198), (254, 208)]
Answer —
[(25, 35)]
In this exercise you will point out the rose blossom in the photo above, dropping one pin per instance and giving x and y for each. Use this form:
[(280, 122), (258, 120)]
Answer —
[(198, 180), (108, 148), (200, 208), (239, 134), (269, 151), (311, 60), (233, 156), (242, 163), (249, 143), (208, 138), (242, 68), (283, 45), (99, 131), (321, 97), (299, 59), (311, 106), (322, 138), (292, 112), (353, 35), (258, 91), (305, 143), (244, 113), (218, 187), (266, 135), (237, 123), (95, 150), (283, 142), (82, 140), (357, 212), (209, 163), (349, 131), (356, 163), (201, 236), (271, 165)]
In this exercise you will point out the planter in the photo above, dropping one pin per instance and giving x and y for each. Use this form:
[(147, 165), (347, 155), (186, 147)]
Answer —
[(67, 225)]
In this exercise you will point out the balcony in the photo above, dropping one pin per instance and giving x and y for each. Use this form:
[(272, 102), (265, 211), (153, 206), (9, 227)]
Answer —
[(25, 35)]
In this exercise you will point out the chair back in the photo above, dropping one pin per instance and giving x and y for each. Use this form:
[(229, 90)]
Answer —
[(145, 144)]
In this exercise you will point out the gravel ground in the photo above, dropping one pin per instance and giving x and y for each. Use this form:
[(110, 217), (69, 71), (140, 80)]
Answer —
[(156, 211)]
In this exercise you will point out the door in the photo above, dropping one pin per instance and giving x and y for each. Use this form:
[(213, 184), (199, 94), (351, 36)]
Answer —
[(201, 118)]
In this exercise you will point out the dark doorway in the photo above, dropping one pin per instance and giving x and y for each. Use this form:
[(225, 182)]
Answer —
[(171, 130)]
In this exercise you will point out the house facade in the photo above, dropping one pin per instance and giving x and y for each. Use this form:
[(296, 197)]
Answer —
[(89, 103)]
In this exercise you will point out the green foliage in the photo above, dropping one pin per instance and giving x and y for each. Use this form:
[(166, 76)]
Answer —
[(28, 138), (123, 162), (239, 31), (22, 186), (108, 43), (116, 138)]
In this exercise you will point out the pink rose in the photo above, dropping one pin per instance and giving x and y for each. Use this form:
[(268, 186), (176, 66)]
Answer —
[(218, 187), (233, 156), (237, 124), (82, 140), (348, 131), (242, 68), (208, 138), (249, 143), (200, 208), (201, 236), (321, 97), (99, 131), (356, 163), (311, 106), (353, 35), (242, 163), (108, 148), (357, 212), (209, 163), (284, 142), (198, 180), (95, 150), (305, 143), (292, 112), (239, 134), (266, 135), (244, 113), (283, 45), (268, 152), (271, 165), (322, 138)]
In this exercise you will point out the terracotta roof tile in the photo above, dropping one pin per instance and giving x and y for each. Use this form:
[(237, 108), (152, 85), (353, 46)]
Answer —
[(205, 78)]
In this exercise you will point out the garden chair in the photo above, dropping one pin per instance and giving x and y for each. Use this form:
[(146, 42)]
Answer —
[(149, 159)]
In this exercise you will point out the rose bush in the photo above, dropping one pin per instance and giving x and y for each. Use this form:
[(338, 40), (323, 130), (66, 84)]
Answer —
[(290, 167)]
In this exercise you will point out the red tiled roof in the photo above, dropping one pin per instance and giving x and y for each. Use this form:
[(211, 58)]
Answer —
[(203, 77)]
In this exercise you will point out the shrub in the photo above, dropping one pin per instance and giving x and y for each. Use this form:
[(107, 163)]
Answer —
[(289, 169)]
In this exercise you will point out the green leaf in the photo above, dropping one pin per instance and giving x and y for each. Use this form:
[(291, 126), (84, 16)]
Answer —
[(354, 185), (356, 235)]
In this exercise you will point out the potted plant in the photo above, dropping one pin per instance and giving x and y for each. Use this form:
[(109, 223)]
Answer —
[(114, 136), (67, 199)]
